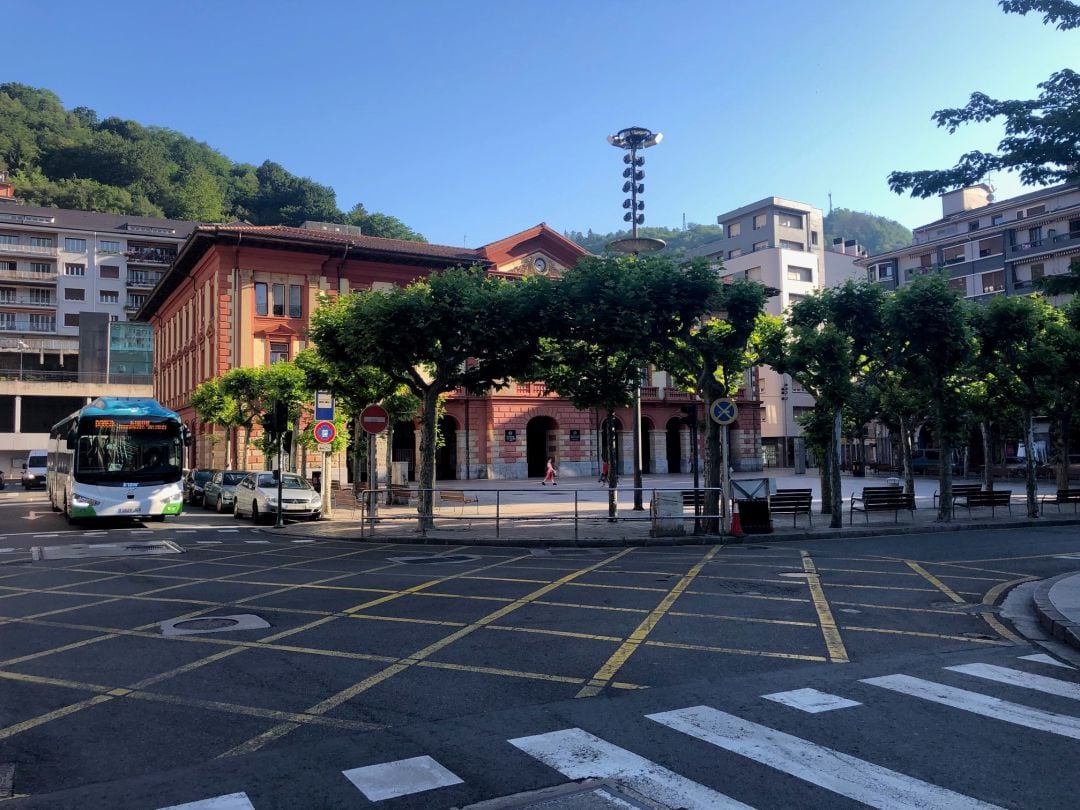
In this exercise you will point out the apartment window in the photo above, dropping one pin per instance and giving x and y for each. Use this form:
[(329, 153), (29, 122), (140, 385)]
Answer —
[(41, 297), (75, 245), (753, 273), (1034, 236), (762, 245), (41, 267), (733, 229), (7, 295), (789, 220), (7, 320), (794, 299), (800, 273), (1037, 271), (296, 306), (788, 245), (260, 298), (279, 300), (12, 266), (279, 352), (9, 239), (973, 226), (734, 254), (135, 301), (959, 285), (46, 241), (1036, 210), (770, 415), (813, 237), (759, 221), (42, 323), (992, 246), (74, 294), (108, 271), (993, 282), (997, 219), (108, 246), (953, 254), (109, 297), (71, 319), (74, 269), (1074, 227)]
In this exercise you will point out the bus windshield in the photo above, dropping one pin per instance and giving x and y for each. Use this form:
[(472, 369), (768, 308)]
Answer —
[(117, 450)]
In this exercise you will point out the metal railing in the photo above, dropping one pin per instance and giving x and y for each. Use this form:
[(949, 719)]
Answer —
[(99, 377), (27, 250)]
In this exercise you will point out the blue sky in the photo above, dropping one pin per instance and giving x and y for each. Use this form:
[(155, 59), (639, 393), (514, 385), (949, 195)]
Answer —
[(472, 120)]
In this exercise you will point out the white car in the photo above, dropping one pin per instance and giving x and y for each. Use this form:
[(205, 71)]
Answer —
[(257, 496)]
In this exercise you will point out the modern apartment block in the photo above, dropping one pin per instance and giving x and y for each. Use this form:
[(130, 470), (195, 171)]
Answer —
[(989, 247), (56, 266)]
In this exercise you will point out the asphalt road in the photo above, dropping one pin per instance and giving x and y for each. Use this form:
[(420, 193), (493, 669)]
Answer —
[(468, 674)]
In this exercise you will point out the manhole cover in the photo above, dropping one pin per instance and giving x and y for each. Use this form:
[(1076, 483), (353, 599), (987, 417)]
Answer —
[(206, 624), (80, 551), (212, 624), (449, 558)]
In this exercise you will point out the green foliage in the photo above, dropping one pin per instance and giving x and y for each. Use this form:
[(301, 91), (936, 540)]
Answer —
[(73, 159), (876, 234), (1042, 135), (678, 241)]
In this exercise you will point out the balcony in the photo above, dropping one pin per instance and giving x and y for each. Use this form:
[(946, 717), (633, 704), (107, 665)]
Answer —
[(28, 301), (29, 275), (531, 389), (31, 323), (164, 256), (1048, 244), (675, 395), (26, 250), (143, 280), (132, 307)]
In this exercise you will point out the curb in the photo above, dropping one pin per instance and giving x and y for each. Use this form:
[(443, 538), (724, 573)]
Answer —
[(1052, 620)]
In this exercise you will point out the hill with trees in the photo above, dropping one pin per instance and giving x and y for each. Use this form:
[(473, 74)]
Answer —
[(73, 159), (678, 240), (876, 234)]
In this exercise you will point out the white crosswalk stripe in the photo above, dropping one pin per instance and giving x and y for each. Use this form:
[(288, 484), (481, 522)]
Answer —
[(389, 780), (981, 704), (232, 801), (811, 701), (1025, 680), (576, 754), (1043, 658)]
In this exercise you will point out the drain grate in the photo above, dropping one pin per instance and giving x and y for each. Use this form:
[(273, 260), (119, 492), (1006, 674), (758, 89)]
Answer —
[(433, 560), (212, 624), (80, 551)]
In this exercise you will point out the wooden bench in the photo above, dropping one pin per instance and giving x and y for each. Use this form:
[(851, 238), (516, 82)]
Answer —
[(792, 502), (881, 499), (402, 495), (960, 490), (992, 498), (1062, 496), (457, 497)]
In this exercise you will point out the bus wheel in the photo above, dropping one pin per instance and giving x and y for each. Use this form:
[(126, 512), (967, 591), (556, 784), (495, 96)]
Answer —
[(157, 518), (72, 521)]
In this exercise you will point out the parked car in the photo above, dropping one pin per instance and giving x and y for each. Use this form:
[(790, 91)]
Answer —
[(220, 491), (36, 469), (2, 482), (194, 483), (928, 462), (256, 496)]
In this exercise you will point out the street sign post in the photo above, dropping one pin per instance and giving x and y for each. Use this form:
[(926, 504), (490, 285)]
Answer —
[(723, 411), (374, 419), (324, 406)]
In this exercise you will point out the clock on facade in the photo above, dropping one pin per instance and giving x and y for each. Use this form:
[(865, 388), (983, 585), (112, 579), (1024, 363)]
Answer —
[(540, 264)]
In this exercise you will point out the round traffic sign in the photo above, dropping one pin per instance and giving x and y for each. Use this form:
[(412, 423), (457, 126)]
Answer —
[(374, 419), (325, 432), (723, 411)]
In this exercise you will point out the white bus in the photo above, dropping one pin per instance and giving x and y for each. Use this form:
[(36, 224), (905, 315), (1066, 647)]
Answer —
[(117, 457)]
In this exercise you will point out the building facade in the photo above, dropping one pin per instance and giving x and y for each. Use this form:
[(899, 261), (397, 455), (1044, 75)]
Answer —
[(240, 295)]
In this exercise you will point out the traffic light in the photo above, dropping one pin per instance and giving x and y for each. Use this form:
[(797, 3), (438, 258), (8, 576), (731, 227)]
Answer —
[(276, 420)]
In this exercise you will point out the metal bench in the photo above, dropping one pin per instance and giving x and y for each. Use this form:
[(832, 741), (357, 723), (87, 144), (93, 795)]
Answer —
[(792, 502), (992, 498), (881, 499), (959, 490), (1062, 496), (402, 495)]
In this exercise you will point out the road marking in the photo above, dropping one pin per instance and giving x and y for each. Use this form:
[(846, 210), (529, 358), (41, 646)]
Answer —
[(253, 542), (234, 531), (834, 644), (1043, 658), (980, 704), (1024, 680), (606, 673), (6, 550), (920, 634), (576, 754), (841, 773), (811, 701), (232, 801), (389, 780), (937, 583), (46, 535), (185, 531), (208, 542), (735, 651), (303, 541)]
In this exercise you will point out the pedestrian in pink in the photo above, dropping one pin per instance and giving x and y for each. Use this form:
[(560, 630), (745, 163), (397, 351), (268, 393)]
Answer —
[(549, 474)]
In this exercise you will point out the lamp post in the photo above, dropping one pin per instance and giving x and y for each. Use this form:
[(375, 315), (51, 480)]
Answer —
[(631, 140), (22, 346)]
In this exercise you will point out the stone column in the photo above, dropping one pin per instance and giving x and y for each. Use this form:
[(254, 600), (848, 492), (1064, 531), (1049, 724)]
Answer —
[(658, 450)]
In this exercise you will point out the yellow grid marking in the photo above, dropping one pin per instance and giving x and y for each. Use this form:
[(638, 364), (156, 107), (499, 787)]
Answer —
[(834, 644), (544, 632), (332, 702), (509, 673), (735, 651), (748, 619), (41, 720), (607, 672), (937, 583), (919, 634), (991, 597), (939, 611)]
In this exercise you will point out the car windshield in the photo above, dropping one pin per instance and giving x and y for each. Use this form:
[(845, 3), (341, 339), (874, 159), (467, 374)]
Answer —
[(203, 475), (287, 482), (37, 461), (231, 479)]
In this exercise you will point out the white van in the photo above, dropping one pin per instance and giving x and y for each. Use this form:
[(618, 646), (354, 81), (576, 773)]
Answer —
[(35, 469)]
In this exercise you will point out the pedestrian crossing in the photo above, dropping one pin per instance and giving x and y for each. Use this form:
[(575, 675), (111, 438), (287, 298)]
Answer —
[(705, 735)]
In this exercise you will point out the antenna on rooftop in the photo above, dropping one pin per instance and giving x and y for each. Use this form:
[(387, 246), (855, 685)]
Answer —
[(830, 202)]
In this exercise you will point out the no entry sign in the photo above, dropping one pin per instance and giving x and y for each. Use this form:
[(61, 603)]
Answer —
[(374, 419), (325, 432)]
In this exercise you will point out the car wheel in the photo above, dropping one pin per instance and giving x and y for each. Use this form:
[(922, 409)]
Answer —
[(218, 506), (255, 513)]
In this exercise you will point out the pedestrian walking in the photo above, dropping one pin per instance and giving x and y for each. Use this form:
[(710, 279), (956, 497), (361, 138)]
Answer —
[(603, 474), (549, 474)]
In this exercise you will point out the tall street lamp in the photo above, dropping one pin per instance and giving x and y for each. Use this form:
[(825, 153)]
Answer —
[(631, 140)]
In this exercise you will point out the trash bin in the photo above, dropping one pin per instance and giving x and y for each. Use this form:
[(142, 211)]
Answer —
[(858, 469), (755, 517), (667, 514)]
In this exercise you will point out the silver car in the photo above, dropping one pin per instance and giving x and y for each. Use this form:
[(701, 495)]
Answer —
[(257, 495), (220, 491)]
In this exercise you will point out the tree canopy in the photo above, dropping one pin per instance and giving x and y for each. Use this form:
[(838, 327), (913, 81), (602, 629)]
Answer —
[(74, 159)]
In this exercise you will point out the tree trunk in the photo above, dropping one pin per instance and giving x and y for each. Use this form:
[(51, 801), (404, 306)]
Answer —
[(426, 484), (714, 466), (988, 467), (1029, 465), (613, 468), (836, 495), (390, 463), (247, 441), (1064, 426), (907, 442), (357, 460), (825, 474), (228, 448), (945, 478)]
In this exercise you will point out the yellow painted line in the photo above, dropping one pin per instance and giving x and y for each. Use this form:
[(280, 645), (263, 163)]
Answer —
[(509, 579), (345, 695), (937, 583), (764, 597), (34, 722), (1001, 629), (1011, 559), (991, 598), (606, 673), (120, 692), (748, 619), (434, 622), (868, 605), (992, 595), (65, 648), (563, 633), (599, 586), (437, 595), (834, 644), (944, 636), (507, 673), (735, 651), (578, 606), (42, 680)]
